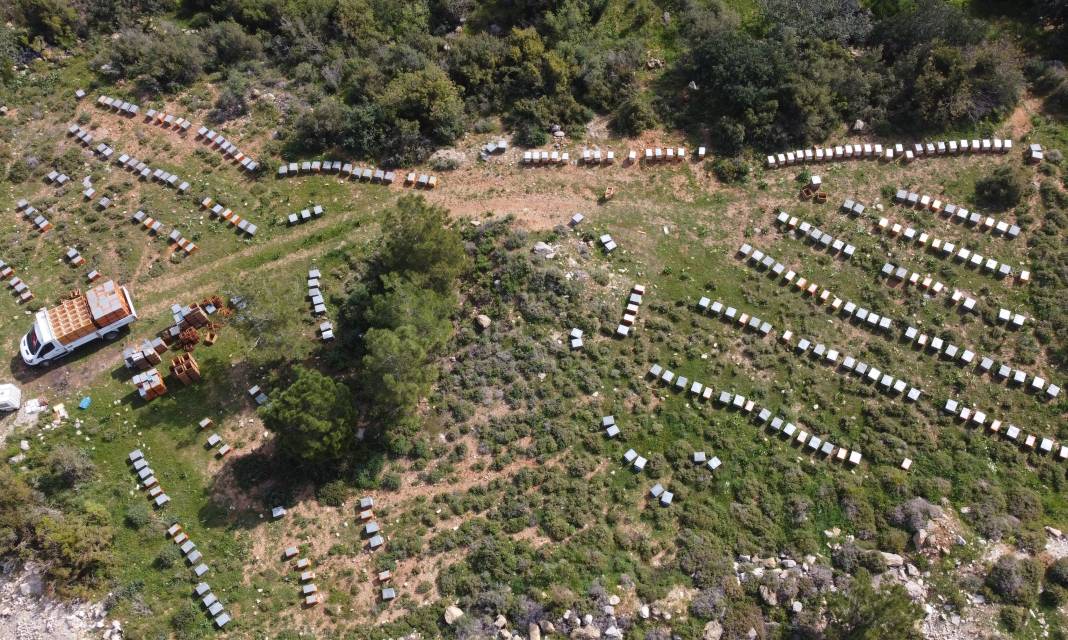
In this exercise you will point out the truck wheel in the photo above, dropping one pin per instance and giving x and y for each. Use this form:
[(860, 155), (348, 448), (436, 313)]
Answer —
[(111, 335)]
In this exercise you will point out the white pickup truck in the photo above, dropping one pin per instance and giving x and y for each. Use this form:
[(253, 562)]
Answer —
[(78, 320)]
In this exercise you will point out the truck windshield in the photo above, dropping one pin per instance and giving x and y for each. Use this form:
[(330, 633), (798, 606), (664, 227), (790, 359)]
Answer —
[(32, 342)]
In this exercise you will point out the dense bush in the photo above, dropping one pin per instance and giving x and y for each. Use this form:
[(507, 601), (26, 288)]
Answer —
[(367, 72), (633, 115), (68, 467), (333, 494), (1003, 188), (163, 59), (863, 612), (1057, 573), (169, 555), (1012, 618), (730, 170), (137, 515), (1015, 580)]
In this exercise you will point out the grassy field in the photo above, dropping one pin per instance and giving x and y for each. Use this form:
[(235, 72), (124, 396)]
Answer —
[(515, 467)]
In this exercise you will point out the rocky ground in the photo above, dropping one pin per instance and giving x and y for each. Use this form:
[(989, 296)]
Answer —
[(27, 613)]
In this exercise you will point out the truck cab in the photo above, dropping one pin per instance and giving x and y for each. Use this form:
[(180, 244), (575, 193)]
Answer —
[(39, 344)]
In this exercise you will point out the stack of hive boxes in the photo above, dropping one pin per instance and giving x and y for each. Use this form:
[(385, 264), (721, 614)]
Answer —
[(149, 384), (71, 320), (192, 316), (106, 304), (147, 355), (185, 368)]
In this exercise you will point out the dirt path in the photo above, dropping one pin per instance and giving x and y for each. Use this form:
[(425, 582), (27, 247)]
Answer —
[(1019, 123)]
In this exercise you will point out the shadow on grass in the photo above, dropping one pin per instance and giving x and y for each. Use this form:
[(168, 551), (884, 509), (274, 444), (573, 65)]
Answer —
[(247, 486)]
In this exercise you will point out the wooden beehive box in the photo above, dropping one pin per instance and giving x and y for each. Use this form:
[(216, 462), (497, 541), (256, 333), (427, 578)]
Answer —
[(71, 320)]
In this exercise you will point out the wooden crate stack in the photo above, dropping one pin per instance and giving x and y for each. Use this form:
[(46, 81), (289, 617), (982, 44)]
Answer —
[(149, 384), (106, 303), (71, 320), (144, 356), (185, 368)]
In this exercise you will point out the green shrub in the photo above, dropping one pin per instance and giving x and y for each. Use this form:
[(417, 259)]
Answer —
[(1015, 580), (18, 172), (1012, 618), (137, 515), (1057, 573), (333, 494), (168, 556), (1003, 188), (633, 116), (730, 170), (1054, 596), (391, 481), (68, 467)]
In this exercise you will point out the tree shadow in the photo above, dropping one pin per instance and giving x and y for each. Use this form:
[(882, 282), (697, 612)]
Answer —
[(251, 484)]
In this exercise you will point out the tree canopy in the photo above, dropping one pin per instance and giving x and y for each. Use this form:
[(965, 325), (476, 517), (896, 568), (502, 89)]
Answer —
[(313, 419), (421, 245)]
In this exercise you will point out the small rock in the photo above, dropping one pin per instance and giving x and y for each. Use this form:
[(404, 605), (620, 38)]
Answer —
[(609, 610), (547, 627), (788, 563), (483, 321), (915, 590), (452, 614), (613, 600), (586, 633), (447, 159), (587, 619), (501, 622), (892, 559), (1056, 533), (644, 612), (545, 250), (713, 631), (797, 606), (533, 631), (24, 445), (768, 596)]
